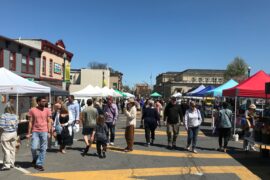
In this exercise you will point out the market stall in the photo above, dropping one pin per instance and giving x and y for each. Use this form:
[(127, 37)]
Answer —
[(11, 83), (253, 87)]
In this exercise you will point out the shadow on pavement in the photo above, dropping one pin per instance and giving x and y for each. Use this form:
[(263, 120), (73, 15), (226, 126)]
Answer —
[(23, 164), (115, 148), (159, 145), (252, 160)]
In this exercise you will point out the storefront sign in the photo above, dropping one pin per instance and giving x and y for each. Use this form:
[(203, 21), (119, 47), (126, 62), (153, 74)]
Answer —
[(57, 68)]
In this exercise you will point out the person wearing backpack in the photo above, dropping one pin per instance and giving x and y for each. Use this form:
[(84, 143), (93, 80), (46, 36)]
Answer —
[(224, 125), (89, 117)]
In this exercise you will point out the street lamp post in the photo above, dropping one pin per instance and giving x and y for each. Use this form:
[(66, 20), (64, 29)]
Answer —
[(64, 72), (249, 69)]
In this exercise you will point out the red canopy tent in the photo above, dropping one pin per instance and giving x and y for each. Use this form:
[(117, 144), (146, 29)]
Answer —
[(252, 87)]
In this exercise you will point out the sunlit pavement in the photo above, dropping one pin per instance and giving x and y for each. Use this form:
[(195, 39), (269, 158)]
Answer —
[(154, 162)]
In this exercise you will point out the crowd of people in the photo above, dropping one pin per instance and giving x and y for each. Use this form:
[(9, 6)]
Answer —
[(99, 120)]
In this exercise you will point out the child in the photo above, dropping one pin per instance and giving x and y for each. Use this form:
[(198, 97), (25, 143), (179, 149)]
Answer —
[(101, 136)]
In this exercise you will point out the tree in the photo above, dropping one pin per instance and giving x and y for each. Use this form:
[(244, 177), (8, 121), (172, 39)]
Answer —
[(126, 88), (236, 70), (97, 65)]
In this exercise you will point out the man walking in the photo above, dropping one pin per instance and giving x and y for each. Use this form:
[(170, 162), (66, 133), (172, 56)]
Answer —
[(89, 117), (74, 108), (172, 114), (39, 126), (111, 115)]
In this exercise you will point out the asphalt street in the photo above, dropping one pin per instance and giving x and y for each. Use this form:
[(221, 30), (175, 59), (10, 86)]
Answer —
[(154, 162)]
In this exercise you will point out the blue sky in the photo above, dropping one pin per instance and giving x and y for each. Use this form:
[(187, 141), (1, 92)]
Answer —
[(144, 37)]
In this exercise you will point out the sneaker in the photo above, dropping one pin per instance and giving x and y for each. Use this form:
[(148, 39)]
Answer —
[(112, 143), (174, 147), (147, 144), (188, 148), (127, 150), (104, 154), (253, 148), (40, 168), (152, 142), (169, 147), (194, 151)]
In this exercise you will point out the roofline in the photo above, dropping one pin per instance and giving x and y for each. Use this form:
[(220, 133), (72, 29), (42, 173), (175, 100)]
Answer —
[(17, 42)]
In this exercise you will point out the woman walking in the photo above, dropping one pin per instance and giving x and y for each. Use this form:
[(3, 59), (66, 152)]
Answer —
[(8, 126), (151, 120), (131, 114), (63, 129), (193, 120), (224, 125)]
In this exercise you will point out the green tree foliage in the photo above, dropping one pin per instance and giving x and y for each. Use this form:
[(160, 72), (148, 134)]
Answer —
[(236, 70)]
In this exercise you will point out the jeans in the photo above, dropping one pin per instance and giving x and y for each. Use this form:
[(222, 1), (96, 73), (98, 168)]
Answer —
[(192, 136), (149, 129), (39, 142), (247, 145), (172, 128), (224, 133), (111, 128)]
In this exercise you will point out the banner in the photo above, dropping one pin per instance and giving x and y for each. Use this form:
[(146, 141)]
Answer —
[(67, 73)]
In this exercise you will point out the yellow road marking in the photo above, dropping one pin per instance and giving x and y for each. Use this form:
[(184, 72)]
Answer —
[(169, 154), (240, 171), (181, 154), (159, 133)]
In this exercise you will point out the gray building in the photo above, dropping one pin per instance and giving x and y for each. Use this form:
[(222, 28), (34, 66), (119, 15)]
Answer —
[(172, 82), (22, 59)]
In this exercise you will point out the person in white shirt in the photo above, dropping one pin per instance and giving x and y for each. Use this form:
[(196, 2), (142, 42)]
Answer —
[(193, 120), (131, 114)]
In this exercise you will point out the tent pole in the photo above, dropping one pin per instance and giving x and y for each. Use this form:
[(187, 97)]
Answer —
[(235, 103), (17, 105)]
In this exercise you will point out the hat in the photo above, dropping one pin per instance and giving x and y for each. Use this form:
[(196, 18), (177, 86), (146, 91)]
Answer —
[(252, 106), (131, 100)]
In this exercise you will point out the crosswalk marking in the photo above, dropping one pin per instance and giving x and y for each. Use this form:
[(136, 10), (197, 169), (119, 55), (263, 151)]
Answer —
[(140, 173)]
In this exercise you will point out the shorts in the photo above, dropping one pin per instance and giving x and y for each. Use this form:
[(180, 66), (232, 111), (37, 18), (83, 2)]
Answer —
[(87, 131)]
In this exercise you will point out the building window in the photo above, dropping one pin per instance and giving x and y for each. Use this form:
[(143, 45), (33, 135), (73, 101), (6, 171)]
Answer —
[(193, 79), (12, 61), (44, 65), (200, 79), (1, 57), (51, 68), (24, 64), (31, 66), (206, 80), (28, 65), (220, 80)]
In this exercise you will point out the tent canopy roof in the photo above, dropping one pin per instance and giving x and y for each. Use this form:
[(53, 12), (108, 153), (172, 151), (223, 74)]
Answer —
[(217, 92), (12, 83), (251, 87), (155, 94), (198, 89)]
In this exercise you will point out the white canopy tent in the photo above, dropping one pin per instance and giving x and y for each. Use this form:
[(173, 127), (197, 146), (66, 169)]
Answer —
[(12, 83), (129, 95), (91, 91), (177, 94)]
